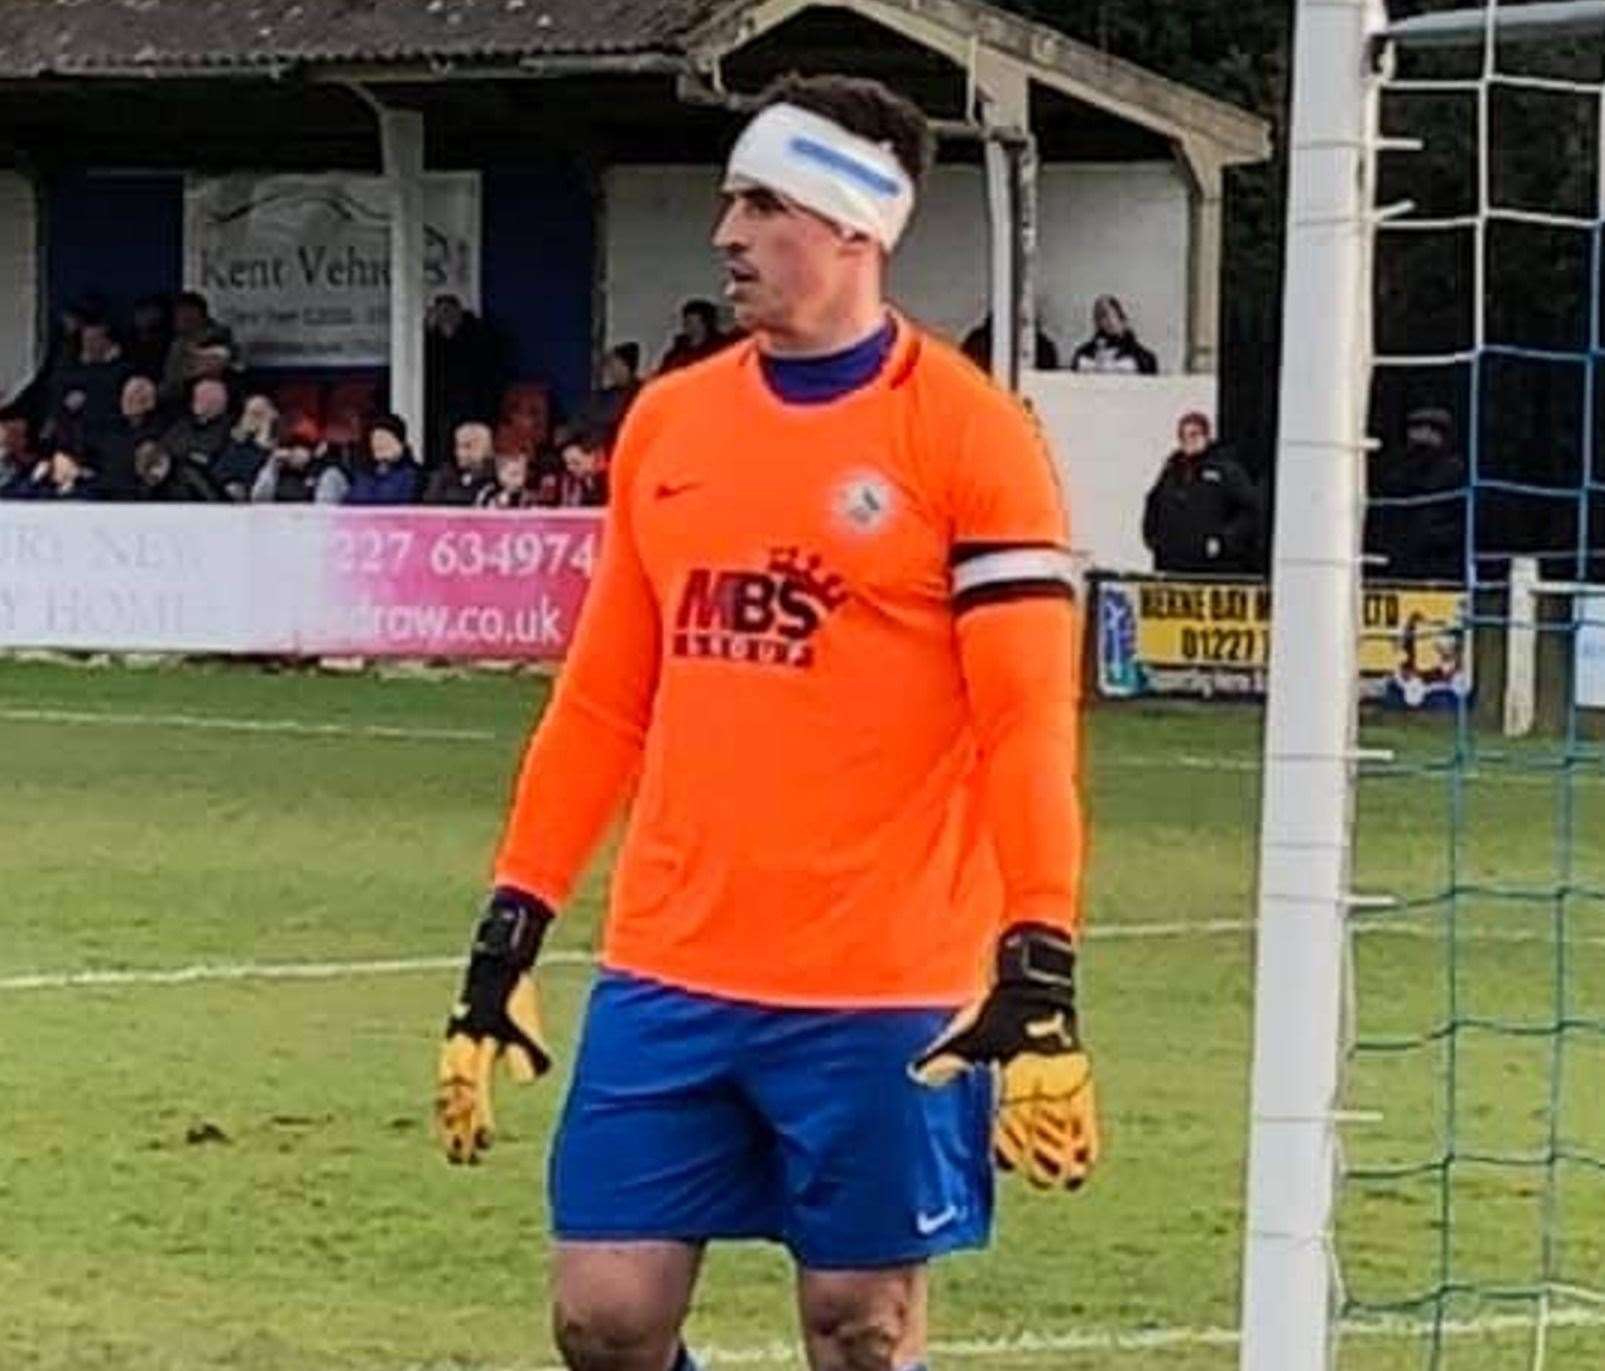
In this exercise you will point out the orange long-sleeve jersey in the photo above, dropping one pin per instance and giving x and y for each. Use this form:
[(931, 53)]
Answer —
[(834, 649)]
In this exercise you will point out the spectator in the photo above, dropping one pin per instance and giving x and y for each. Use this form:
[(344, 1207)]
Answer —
[(699, 336), (164, 478), (67, 427), (470, 471), (462, 371), (201, 347), (389, 475), (97, 374), (114, 449), (202, 434), (1203, 513), (1424, 539), (61, 476), (977, 347), (150, 336), (300, 472), (1113, 346), (251, 442), (33, 401), (620, 384), (583, 480), (510, 490)]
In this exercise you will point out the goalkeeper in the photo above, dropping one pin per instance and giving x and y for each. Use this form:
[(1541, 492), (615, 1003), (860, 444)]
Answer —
[(832, 647)]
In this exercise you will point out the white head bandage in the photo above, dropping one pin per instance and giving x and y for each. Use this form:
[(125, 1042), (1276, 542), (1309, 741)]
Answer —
[(819, 164)]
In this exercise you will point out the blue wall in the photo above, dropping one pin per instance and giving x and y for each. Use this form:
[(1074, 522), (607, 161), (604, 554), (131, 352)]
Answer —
[(539, 270), (122, 235)]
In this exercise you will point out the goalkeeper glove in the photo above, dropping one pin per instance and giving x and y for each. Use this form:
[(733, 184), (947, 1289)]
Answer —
[(1026, 1029), (496, 1015)]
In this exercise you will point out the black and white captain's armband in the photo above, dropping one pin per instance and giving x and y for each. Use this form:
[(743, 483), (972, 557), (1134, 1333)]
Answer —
[(991, 573)]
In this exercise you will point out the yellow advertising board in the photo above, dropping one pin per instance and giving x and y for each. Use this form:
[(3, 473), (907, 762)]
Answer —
[(1159, 635)]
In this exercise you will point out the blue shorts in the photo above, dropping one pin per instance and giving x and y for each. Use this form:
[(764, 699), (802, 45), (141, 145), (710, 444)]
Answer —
[(692, 1117)]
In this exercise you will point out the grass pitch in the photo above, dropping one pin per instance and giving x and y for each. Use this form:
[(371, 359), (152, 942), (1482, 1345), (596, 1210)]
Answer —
[(238, 1174)]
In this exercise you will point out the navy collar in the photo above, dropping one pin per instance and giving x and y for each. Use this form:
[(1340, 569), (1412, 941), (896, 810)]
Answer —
[(819, 380)]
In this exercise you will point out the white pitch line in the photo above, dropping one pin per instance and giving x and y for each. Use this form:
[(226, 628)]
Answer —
[(254, 971), (397, 966), (204, 972), (1030, 1346), (297, 727)]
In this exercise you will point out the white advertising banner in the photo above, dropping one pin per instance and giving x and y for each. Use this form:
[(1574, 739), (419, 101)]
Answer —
[(1590, 663), (294, 579), (299, 266)]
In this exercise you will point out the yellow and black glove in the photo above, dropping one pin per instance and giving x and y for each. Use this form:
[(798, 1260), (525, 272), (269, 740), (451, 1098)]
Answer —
[(1025, 1028), (497, 1015)]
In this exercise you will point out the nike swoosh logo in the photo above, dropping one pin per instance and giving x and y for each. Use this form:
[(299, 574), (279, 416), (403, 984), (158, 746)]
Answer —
[(931, 1223), (668, 492)]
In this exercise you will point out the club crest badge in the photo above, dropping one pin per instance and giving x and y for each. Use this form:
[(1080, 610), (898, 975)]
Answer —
[(864, 502)]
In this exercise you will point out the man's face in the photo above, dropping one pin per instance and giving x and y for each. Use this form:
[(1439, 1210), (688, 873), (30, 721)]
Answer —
[(209, 400), (614, 372), (448, 313), (512, 472), (1194, 439), (471, 446), (785, 268), (187, 318), (138, 398), (297, 456), (95, 343), (580, 460), (1107, 318), (64, 468)]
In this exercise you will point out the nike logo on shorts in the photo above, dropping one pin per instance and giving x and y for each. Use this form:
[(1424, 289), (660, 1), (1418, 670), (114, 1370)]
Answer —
[(666, 492), (933, 1223)]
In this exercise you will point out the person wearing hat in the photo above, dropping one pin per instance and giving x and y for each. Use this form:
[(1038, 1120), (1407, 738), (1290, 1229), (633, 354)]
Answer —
[(1417, 515), (389, 475), (831, 648), (1203, 514)]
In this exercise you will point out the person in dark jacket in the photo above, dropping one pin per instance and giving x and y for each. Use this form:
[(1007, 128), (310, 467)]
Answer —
[(583, 481), (251, 442), (463, 371), (1113, 346), (977, 346), (61, 476), (97, 373), (300, 471), (1424, 536), (390, 474), (113, 448), (471, 469), (204, 432), (166, 479), (1204, 512), (620, 384), (699, 336)]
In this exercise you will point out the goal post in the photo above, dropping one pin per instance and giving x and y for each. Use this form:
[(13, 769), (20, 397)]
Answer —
[(1480, 899), (1310, 733)]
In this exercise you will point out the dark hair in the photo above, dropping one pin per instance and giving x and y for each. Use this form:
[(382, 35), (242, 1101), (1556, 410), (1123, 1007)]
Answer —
[(629, 354), (591, 437), (865, 107), (194, 299), (704, 310)]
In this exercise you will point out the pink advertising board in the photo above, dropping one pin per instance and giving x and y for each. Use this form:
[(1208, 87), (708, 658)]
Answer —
[(424, 583), (295, 579)]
